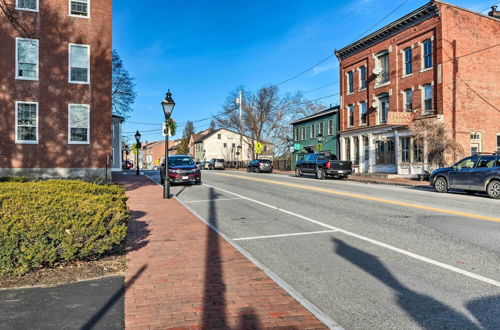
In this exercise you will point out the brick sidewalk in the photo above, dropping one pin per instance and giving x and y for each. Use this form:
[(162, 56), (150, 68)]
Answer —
[(181, 274)]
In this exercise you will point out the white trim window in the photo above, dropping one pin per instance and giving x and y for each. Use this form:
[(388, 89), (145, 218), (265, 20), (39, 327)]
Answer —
[(362, 113), (350, 114), (362, 77), (313, 131), (79, 64), (382, 63), (427, 54), (27, 122), (321, 129), (330, 127), (28, 5), (27, 61), (408, 61), (408, 99), (350, 82), (383, 108), (427, 98), (79, 8), (78, 124), (303, 133)]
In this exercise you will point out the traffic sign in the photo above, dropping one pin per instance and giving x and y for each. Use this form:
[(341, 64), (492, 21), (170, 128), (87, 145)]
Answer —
[(258, 148)]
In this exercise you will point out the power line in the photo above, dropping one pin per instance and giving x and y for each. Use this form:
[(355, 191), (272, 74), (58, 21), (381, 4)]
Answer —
[(489, 7), (305, 71)]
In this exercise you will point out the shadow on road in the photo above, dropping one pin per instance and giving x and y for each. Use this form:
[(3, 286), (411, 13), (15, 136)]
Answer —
[(426, 311), (214, 296), (109, 304)]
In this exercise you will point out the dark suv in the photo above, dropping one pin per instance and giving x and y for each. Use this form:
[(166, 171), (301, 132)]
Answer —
[(472, 174), (181, 169)]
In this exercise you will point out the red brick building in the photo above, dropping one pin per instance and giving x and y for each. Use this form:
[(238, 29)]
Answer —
[(55, 88), (154, 152), (439, 61)]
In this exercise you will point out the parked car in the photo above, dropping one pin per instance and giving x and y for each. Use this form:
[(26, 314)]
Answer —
[(203, 165), (181, 169), (216, 164), (471, 174), (127, 165), (260, 165), (323, 166)]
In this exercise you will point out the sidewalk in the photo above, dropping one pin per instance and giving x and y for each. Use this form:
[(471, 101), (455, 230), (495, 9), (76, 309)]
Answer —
[(181, 274), (393, 181)]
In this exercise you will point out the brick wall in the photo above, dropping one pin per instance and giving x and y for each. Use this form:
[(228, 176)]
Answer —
[(55, 29)]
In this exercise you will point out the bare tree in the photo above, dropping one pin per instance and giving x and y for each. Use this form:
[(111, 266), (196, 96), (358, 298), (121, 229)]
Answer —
[(8, 9), (183, 147), (433, 137), (123, 91), (266, 116)]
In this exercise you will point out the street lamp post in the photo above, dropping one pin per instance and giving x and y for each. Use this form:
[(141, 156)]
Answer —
[(137, 148), (320, 139), (167, 105)]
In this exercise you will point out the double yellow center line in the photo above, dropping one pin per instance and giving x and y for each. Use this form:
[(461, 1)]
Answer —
[(358, 196)]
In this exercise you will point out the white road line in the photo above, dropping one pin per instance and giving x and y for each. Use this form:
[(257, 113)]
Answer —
[(212, 200), (367, 239), (284, 235)]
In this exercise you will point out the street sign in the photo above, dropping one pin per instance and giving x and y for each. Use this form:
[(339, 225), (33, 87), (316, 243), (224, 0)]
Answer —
[(164, 130), (297, 146), (292, 149), (258, 148)]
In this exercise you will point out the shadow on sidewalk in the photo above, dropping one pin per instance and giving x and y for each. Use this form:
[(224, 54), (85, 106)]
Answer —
[(214, 299), (92, 322), (137, 232), (426, 311)]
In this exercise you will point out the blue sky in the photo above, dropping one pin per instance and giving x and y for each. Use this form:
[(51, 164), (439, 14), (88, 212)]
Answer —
[(203, 49)]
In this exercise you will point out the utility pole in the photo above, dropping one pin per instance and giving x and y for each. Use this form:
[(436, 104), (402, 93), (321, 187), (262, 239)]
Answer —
[(240, 102)]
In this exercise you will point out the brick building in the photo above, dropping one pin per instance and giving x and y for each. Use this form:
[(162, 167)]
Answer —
[(55, 88), (154, 152), (439, 61)]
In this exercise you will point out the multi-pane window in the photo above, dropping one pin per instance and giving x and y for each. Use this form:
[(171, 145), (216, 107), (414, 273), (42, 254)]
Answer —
[(408, 95), (330, 127), (427, 44), (427, 90), (362, 77), (79, 124), (296, 134), (347, 149), (79, 8), (219, 136), (27, 59), (26, 122), (79, 59), (303, 133), (405, 149), (385, 152), (27, 5), (350, 113), (418, 155), (350, 82), (362, 111), (321, 129), (383, 110), (313, 131), (408, 53), (383, 65)]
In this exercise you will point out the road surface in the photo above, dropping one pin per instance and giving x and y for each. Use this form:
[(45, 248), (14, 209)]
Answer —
[(367, 256)]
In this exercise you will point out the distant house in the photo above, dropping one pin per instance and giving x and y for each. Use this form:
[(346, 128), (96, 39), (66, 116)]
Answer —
[(225, 144), (306, 131), (195, 137)]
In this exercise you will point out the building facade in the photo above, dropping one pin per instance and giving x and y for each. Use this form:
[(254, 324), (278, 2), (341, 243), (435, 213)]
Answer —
[(306, 131), (116, 143), (225, 144), (154, 152), (55, 89), (438, 62)]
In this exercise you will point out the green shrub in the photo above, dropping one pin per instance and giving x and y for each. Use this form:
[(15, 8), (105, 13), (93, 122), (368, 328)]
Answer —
[(48, 222), (14, 179)]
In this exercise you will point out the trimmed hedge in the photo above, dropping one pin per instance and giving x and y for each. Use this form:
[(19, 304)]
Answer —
[(48, 222)]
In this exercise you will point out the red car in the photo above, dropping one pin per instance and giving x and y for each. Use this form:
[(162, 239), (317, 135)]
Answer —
[(127, 165), (181, 169)]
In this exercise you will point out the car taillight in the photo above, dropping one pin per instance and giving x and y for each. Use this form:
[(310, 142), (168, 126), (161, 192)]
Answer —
[(328, 165)]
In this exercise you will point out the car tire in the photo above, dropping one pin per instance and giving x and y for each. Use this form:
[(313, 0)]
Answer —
[(298, 172), (441, 185), (493, 189), (248, 169), (320, 173)]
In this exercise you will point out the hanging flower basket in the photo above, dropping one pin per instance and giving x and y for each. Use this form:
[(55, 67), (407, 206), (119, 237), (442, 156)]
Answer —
[(172, 127)]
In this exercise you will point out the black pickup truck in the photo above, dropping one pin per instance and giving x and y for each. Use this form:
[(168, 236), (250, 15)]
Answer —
[(323, 166)]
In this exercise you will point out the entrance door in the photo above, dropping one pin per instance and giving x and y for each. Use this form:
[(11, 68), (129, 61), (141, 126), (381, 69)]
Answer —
[(366, 160)]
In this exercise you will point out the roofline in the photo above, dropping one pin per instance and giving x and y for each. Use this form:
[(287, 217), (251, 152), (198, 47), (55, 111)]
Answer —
[(326, 112), (467, 10), (206, 136), (422, 13)]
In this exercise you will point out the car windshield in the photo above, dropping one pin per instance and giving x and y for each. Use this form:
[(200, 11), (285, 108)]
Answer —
[(220, 160), (180, 161), (265, 161)]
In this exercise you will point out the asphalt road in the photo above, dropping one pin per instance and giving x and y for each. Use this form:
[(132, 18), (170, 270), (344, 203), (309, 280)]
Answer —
[(368, 256)]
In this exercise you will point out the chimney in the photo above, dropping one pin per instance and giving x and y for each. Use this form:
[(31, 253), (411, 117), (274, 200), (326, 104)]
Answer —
[(494, 12)]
